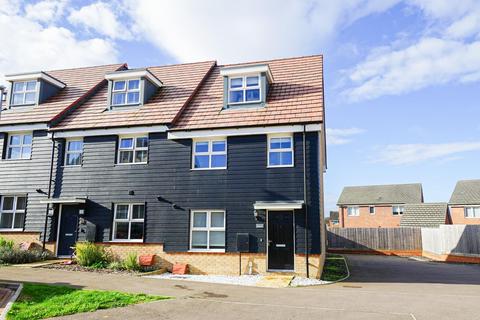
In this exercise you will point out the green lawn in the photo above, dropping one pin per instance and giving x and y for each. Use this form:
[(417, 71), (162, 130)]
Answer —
[(39, 301), (335, 268)]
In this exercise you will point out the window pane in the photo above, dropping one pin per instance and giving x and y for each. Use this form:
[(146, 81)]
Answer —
[(122, 211), (274, 159), (17, 98), (199, 239), (126, 157), (142, 142), (30, 97), (133, 97), (18, 86), (14, 153), (252, 95), (73, 159), (26, 152), (218, 146), (217, 239), (15, 140), (285, 143), (133, 84), (199, 219), (7, 203), (6, 220), (141, 156), (31, 85), (275, 143), (286, 158), (27, 139), (236, 83), (121, 231), (219, 161), (217, 220), (252, 81), (119, 85), (19, 218), (136, 231), (201, 146), (126, 143), (21, 203), (118, 98), (201, 162), (138, 211), (75, 146), (236, 96)]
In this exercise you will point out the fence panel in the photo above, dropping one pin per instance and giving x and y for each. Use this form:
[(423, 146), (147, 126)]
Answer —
[(452, 239)]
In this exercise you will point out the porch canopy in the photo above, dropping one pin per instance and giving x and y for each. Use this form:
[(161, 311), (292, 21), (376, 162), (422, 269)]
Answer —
[(279, 205), (69, 200)]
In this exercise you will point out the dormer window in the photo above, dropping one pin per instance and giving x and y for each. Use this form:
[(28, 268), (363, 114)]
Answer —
[(244, 89), (126, 92), (24, 92)]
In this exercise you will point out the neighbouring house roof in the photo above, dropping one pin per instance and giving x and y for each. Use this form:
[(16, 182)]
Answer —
[(78, 83), (466, 192), (382, 194), (295, 96), (334, 215), (427, 215)]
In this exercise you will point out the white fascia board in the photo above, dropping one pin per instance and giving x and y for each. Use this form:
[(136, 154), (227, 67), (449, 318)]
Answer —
[(242, 70), (109, 131), (278, 205), (64, 201), (35, 76), (23, 127), (241, 131), (126, 74)]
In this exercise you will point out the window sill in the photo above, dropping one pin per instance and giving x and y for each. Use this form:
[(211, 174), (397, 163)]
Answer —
[(285, 166), (206, 251), (206, 169), (72, 167), (131, 164), (17, 160), (10, 230), (126, 241)]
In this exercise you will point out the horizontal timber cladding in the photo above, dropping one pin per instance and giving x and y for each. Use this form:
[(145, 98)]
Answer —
[(26, 176), (168, 175)]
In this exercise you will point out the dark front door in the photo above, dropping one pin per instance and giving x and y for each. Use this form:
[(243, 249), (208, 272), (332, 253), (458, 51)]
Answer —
[(280, 240), (67, 235)]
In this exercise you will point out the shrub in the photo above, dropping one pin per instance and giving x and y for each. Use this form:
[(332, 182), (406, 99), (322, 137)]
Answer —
[(9, 255), (6, 243), (89, 254), (116, 265), (131, 262)]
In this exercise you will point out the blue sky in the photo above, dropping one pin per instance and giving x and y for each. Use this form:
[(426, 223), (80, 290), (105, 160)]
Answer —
[(402, 77)]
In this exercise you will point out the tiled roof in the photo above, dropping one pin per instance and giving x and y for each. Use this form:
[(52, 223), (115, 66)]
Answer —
[(295, 96), (179, 84), (382, 194), (427, 215), (78, 82), (466, 192)]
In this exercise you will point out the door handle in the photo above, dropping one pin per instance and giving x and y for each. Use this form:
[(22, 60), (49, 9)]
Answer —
[(68, 234), (281, 245)]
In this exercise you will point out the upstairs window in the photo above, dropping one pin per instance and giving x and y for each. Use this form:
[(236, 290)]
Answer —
[(397, 210), (126, 92), (210, 154), (19, 146), (24, 93), (280, 151), (472, 212), (12, 212), (353, 211), (244, 89), (128, 222), (133, 150), (371, 209), (73, 153)]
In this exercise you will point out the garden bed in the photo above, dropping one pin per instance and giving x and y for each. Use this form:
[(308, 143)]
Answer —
[(76, 267)]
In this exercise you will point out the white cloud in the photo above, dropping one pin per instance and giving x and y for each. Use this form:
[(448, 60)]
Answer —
[(100, 18), (342, 136), (232, 31), (45, 11), (405, 154)]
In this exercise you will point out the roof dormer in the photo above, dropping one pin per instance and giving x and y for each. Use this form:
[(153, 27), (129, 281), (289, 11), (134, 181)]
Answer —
[(131, 88), (246, 86), (31, 89)]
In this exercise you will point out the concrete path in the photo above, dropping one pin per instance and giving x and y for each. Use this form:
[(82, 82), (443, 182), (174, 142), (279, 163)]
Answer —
[(380, 288)]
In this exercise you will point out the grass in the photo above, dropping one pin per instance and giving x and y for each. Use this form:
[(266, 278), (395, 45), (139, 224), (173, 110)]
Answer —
[(39, 301), (335, 268)]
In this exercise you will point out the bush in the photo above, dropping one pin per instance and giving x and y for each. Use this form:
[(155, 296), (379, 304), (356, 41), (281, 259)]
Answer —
[(6, 243), (89, 254), (131, 262), (9, 255), (116, 265)]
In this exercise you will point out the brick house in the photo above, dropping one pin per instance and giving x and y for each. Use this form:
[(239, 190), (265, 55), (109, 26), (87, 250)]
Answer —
[(465, 202), (378, 206)]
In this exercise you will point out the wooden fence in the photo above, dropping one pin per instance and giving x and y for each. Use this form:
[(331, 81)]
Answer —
[(452, 239)]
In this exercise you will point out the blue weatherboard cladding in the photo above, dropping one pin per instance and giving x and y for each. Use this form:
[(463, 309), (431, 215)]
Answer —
[(168, 175)]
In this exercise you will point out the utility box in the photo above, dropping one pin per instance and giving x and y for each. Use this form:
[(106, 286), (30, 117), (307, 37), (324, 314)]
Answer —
[(243, 242), (87, 231)]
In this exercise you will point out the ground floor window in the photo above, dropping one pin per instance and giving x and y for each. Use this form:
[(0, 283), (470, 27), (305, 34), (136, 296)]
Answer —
[(472, 212), (207, 230), (12, 212), (128, 222)]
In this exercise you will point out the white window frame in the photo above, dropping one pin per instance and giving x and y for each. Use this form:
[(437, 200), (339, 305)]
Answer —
[(125, 92), (210, 152), (475, 211), (356, 209), (134, 148), (208, 228), (244, 88), (67, 152), (291, 150), (129, 220), (21, 145), (14, 210), (374, 210), (24, 93), (401, 210)]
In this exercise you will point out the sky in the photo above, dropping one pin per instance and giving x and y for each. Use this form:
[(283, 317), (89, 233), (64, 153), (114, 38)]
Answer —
[(402, 78)]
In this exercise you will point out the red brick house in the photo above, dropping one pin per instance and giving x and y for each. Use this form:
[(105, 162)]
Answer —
[(465, 202), (379, 206)]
